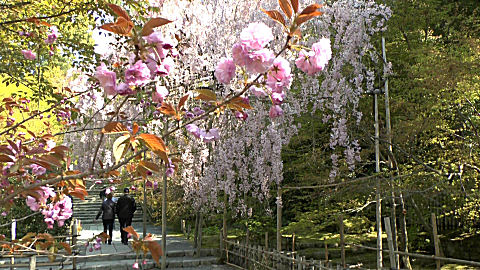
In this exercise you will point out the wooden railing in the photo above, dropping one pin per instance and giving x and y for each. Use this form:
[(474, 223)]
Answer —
[(257, 257)]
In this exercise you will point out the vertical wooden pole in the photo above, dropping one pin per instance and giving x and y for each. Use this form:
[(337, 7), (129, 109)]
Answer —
[(14, 236), (199, 241), (74, 242), (326, 252), (221, 244), (33, 262), (436, 240), (342, 241), (266, 240), (225, 217), (293, 242), (279, 219), (247, 248), (388, 229)]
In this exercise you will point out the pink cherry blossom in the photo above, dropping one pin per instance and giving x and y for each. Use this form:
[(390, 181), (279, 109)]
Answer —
[(52, 36), (154, 38), (241, 115), (258, 91), (260, 61), (192, 128), (240, 55), (210, 135), (225, 70), (137, 74), (37, 169), (277, 98), (279, 76), (256, 36), (125, 89), (32, 203), (275, 111), (315, 60), (160, 93), (107, 79), (135, 265), (28, 54)]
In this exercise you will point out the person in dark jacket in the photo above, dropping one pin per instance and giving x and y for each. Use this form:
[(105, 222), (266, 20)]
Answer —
[(125, 209), (108, 217)]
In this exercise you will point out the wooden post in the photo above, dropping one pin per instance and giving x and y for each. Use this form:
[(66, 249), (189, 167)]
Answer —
[(342, 241), (299, 262), (221, 244), (199, 241), (293, 242), (164, 222), (279, 219), (14, 236), (246, 249), (266, 240), (388, 229), (189, 230), (33, 262), (182, 225), (74, 242), (326, 252), (436, 240)]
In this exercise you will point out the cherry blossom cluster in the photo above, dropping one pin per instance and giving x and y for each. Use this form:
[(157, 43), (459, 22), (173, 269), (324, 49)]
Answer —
[(51, 38), (59, 211), (158, 62)]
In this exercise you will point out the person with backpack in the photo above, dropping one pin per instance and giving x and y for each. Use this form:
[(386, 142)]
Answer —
[(108, 209), (125, 209)]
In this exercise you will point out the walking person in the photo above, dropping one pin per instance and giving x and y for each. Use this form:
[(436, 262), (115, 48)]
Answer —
[(125, 209), (108, 217)]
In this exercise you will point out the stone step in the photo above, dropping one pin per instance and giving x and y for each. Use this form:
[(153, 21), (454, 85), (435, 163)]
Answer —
[(99, 221)]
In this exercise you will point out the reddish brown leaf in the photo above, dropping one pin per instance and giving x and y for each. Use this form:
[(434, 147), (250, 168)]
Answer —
[(5, 158), (135, 128), (119, 11), (206, 94), (79, 192), (121, 27), (162, 155), (114, 127), (38, 162), (52, 160), (310, 9), (154, 143), (275, 15), (305, 17), (13, 146), (240, 102), (182, 102), (46, 236), (150, 165), (67, 247), (167, 109), (156, 250), (152, 23), (294, 5), (132, 231), (285, 6), (6, 150)]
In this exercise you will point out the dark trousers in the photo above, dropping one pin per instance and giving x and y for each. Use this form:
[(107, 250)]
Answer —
[(124, 222), (108, 224)]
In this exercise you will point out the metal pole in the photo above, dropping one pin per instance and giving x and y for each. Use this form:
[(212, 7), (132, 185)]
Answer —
[(164, 222), (379, 201), (279, 219), (14, 236), (144, 206)]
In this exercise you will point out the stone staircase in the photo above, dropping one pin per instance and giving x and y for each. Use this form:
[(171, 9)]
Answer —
[(180, 252), (86, 210)]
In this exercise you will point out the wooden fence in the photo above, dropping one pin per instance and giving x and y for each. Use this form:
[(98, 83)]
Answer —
[(257, 257)]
